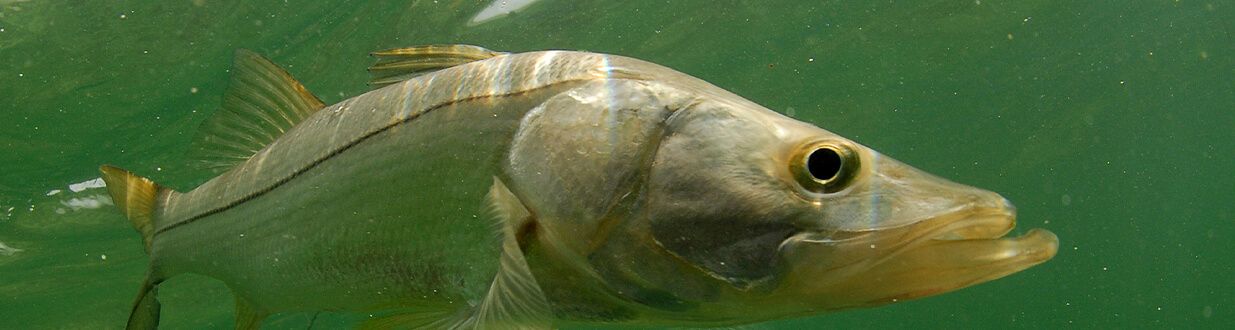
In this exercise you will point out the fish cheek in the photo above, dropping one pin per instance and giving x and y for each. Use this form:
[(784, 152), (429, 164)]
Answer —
[(713, 198), (729, 246)]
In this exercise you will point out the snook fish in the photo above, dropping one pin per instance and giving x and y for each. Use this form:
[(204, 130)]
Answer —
[(480, 189)]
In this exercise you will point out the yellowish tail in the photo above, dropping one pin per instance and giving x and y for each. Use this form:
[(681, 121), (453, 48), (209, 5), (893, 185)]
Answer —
[(135, 197)]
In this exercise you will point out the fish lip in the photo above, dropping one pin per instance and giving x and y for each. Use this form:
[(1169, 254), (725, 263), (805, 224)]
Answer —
[(966, 223), (979, 223)]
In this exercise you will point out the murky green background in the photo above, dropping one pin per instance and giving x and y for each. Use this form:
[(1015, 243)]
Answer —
[(1111, 123)]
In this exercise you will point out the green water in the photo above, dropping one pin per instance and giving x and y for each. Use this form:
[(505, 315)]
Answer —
[(1111, 123)]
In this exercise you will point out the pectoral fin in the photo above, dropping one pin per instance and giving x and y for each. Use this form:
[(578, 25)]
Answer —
[(514, 299)]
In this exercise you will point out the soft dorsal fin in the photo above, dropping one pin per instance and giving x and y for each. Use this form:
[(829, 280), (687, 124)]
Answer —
[(262, 101), (399, 64)]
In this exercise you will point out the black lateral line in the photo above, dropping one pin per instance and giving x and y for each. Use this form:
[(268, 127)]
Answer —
[(345, 147)]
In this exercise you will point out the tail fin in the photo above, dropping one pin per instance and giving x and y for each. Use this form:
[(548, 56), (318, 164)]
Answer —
[(134, 196)]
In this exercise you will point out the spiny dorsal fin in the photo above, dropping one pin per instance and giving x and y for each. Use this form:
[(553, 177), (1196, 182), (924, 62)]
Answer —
[(262, 101), (135, 197), (399, 64)]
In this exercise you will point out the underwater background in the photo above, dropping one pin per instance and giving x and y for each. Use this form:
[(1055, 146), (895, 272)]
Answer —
[(1110, 123)]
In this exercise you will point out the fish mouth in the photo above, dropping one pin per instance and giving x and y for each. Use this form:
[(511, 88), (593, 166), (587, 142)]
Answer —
[(962, 249), (932, 256)]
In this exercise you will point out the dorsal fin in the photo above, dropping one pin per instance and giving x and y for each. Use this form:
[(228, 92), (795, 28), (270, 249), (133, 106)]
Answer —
[(262, 101), (399, 64)]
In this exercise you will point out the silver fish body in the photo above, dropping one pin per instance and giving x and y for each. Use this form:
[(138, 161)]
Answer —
[(624, 192)]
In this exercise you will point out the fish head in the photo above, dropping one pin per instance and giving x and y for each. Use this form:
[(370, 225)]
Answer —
[(786, 219)]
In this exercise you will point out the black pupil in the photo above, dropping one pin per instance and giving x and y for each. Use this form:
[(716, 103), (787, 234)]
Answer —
[(823, 164)]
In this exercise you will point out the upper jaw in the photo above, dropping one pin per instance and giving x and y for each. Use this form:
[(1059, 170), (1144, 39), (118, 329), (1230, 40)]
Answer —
[(980, 223)]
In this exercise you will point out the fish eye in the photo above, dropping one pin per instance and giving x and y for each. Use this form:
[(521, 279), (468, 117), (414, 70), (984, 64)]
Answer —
[(823, 164), (825, 167)]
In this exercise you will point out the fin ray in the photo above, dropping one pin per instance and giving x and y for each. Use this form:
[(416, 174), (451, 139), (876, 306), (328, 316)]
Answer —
[(399, 64), (135, 197), (262, 101)]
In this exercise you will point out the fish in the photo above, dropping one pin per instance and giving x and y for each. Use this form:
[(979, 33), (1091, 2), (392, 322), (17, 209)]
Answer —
[(472, 188)]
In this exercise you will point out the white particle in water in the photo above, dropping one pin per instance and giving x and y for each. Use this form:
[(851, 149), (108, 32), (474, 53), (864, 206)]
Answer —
[(102, 257), (193, 90), (123, 16)]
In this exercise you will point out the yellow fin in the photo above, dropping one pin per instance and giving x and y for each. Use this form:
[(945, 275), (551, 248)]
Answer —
[(399, 64), (262, 101), (135, 197)]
